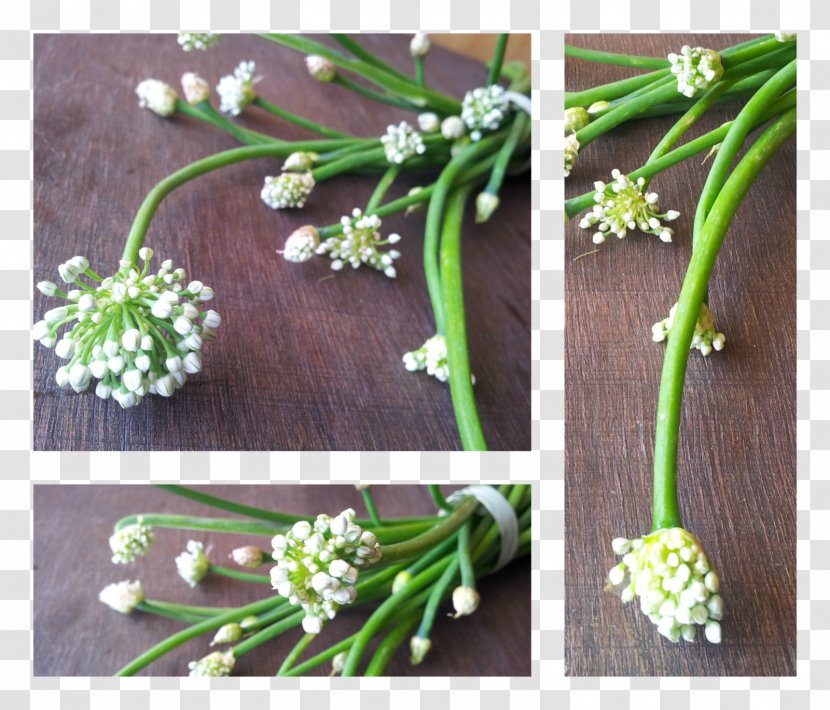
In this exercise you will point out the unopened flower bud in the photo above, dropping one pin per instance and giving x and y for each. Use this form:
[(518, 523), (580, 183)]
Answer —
[(598, 106), (452, 128), (429, 122), (248, 556), (300, 162), (122, 597), (227, 634), (486, 204), (157, 96), (320, 68), (576, 118), (419, 45), (465, 601), (418, 649), (47, 288), (196, 90)]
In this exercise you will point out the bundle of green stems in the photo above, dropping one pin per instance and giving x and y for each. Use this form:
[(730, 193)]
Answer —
[(422, 563), (467, 148), (758, 78)]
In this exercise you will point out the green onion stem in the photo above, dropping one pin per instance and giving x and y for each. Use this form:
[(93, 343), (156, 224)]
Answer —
[(269, 632), (297, 120), (438, 498), (373, 95), (460, 377), (239, 574), (390, 643), (382, 188), (468, 577), (369, 502), (666, 512), (231, 507), (498, 59), (190, 522), (622, 60), (359, 51), (295, 653), (420, 78)]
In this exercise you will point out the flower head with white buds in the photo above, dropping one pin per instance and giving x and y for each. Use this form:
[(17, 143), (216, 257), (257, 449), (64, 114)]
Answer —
[(483, 109), (300, 162), (359, 245), (696, 68), (227, 634), (189, 41), (248, 556), (419, 45), (571, 153), (216, 664), (122, 597), (192, 564), (706, 337), (431, 356), (576, 118), (465, 601), (113, 334), (318, 565), (320, 68), (452, 128), (236, 91), (782, 36), (288, 190), (131, 542), (195, 89), (301, 245), (401, 142), (622, 205), (157, 96), (670, 575)]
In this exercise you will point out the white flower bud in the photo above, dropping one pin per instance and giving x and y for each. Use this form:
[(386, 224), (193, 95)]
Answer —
[(320, 68), (165, 385), (419, 45), (62, 376), (131, 339), (250, 556), (122, 597), (103, 390), (452, 128), (429, 122), (47, 288), (227, 634), (465, 600), (132, 379), (206, 294), (192, 363), (418, 649), (157, 96), (196, 90), (79, 377), (312, 625), (65, 348), (173, 363), (212, 319)]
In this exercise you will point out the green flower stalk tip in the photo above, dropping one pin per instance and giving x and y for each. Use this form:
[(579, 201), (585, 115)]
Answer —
[(137, 332), (571, 153), (622, 205), (418, 649), (706, 337), (483, 110), (248, 622), (402, 578), (218, 663), (669, 573), (596, 107), (227, 634), (158, 97), (318, 565), (122, 597), (131, 542), (419, 45), (288, 190), (195, 89), (359, 244), (465, 601), (696, 69), (236, 91), (248, 556), (201, 41), (192, 564), (782, 36), (338, 662), (320, 68), (575, 119), (402, 142)]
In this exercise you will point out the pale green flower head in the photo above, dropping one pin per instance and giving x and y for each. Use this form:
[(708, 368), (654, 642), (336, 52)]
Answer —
[(668, 572), (706, 337), (571, 153), (131, 542), (192, 564), (218, 663), (576, 118)]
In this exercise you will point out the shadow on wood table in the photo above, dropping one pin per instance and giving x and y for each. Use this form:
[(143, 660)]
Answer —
[(737, 454), (74, 634), (305, 359)]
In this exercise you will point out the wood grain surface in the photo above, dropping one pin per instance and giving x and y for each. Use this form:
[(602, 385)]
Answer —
[(305, 359), (74, 634), (737, 456)]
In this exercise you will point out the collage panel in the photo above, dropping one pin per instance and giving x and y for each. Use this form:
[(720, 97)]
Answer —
[(682, 177)]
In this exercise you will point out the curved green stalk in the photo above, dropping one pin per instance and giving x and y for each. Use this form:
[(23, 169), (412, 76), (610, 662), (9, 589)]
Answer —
[(390, 643), (295, 653), (232, 507), (148, 208), (498, 58), (741, 126), (468, 577), (438, 498), (177, 639), (622, 60), (420, 77), (517, 133), (382, 188), (369, 502), (365, 55), (190, 522), (269, 632), (436, 596), (421, 544), (239, 574), (373, 95), (204, 111), (460, 377), (300, 121), (666, 512)]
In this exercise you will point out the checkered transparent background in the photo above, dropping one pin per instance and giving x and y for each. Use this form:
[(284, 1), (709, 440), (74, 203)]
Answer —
[(548, 687)]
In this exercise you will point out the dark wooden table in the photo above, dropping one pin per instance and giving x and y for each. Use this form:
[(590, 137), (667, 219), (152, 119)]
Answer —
[(302, 361), (77, 635), (737, 456)]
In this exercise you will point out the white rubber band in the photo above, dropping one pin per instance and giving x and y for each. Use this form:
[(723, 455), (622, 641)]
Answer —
[(504, 515), (519, 100)]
